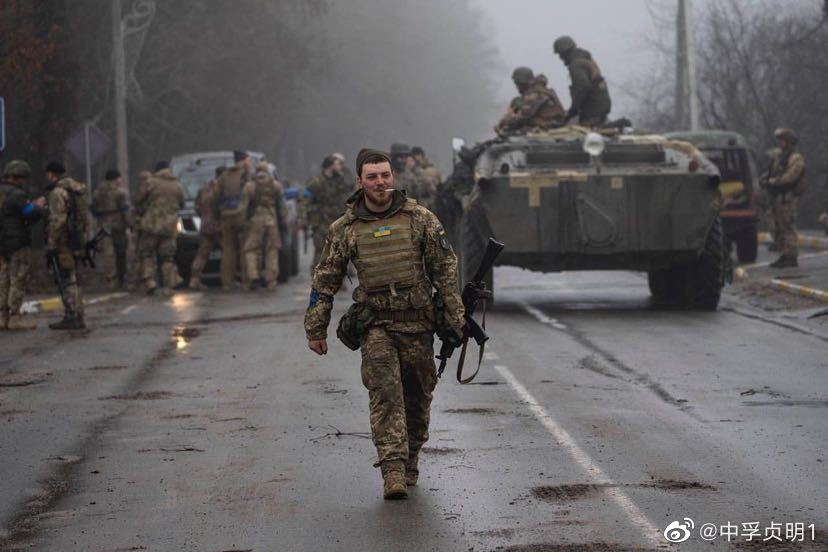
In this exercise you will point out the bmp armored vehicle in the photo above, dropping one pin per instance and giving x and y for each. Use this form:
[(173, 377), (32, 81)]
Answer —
[(572, 199)]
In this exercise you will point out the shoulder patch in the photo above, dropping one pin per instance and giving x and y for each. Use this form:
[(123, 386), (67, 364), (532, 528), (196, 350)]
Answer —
[(314, 298)]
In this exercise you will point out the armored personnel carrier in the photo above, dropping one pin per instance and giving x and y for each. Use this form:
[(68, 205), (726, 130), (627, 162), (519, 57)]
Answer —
[(572, 199)]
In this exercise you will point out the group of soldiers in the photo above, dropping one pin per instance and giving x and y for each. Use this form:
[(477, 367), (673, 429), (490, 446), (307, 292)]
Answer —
[(538, 106)]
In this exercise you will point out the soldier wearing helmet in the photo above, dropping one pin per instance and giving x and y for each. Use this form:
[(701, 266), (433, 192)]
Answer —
[(590, 96), (16, 214), (537, 106), (786, 182)]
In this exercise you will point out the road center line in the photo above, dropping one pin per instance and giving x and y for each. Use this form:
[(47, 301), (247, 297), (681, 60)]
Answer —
[(543, 319), (635, 515)]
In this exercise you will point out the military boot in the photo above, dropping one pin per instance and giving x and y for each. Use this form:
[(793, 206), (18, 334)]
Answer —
[(785, 261), (412, 473), (4, 320), (195, 283), (393, 477), (18, 322), (69, 323)]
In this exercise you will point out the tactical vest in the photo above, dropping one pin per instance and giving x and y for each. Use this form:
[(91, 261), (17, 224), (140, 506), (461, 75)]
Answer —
[(266, 195), (782, 161), (388, 258), (230, 188)]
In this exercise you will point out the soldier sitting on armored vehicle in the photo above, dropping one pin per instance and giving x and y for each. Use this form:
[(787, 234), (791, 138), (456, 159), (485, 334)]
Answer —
[(537, 107)]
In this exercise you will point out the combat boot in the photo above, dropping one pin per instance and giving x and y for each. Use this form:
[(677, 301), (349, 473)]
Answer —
[(412, 473), (195, 284), (393, 477), (785, 261), (4, 319), (17, 322), (68, 323)]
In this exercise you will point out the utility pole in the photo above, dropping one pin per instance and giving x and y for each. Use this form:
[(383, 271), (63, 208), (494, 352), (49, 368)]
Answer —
[(119, 63), (687, 101)]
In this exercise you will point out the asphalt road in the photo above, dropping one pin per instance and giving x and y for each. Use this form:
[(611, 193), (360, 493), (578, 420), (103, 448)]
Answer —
[(203, 423)]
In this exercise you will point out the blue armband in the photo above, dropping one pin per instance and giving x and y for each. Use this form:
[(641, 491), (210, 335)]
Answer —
[(27, 210), (314, 298)]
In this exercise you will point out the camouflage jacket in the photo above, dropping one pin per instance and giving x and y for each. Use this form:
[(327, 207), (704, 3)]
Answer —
[(439, 263), (204, 209), (787, 172), (57, 228), (538, 107), (326, 199), (417, 185), (111, 206), (590, 95), (227, 201), (160, 201), (262, 198)]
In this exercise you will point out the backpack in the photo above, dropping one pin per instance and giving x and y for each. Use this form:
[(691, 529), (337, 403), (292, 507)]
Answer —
[(76, 220)]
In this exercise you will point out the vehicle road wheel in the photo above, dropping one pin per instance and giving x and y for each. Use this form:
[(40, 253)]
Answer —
[(472, 249), (700, 283), (748, 245)]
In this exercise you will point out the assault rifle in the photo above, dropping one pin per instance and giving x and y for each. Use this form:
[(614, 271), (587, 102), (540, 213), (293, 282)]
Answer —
[(90, 250), (474, 291), (57, 274)]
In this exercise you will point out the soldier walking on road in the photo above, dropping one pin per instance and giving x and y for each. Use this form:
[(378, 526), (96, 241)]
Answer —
[(228, 209), (401, 255), (590, 95), (160, 202), (16, 214), (209, 232), (66, 237), (262, 202), (111, 208), (327, 193), (785, 184)]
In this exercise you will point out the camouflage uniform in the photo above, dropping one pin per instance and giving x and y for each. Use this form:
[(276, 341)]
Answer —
[(137, 213), (228, 208), (209, 232), (160, 203), (399, 256), (590, 95), (58, 234), (16, 214), (111, 208), (428, 179), (787, 174), (325, 203), (261, 200), (538, 107)]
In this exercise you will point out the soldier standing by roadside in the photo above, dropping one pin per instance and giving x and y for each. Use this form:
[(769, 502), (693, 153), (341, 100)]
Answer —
[(16, 214), (228, 210), (111, 208), (209, 231), (262, 203), (590, 96), (327, 193), (785, 184), (66, 233), (401, 255), (160, 202), (425, 170)]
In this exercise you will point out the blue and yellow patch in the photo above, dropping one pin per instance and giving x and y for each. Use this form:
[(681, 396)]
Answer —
[(380, 231)]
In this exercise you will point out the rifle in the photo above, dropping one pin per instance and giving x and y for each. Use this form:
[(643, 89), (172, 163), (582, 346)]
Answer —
[(90, 250), (54, 266), (474, 291)]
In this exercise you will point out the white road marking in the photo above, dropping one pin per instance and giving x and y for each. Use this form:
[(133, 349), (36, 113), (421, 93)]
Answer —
[(129, 309), (490, 355), (543, 319), (635, 515)]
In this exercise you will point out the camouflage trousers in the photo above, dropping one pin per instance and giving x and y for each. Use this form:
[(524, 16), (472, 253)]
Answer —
[(232, 237), (784, 208), (206, 243), (151, 249), (398, 371), (14, 271), (119, 249), (69, 275), (261, 243)]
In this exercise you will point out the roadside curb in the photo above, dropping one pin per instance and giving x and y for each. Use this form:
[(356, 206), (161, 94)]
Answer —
[(54, 303), (796, 289), (814, 242)]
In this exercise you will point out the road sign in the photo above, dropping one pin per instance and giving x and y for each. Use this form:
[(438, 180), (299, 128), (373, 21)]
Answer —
[(88, 139), (2, 124)]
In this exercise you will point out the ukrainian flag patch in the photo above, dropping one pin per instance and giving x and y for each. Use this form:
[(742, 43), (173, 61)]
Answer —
[(380, 231)]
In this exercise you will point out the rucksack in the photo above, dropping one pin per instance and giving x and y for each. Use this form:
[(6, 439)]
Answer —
[(76, 220)]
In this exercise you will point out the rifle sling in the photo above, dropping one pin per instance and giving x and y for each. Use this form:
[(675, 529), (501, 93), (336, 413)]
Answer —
[(463, 355)]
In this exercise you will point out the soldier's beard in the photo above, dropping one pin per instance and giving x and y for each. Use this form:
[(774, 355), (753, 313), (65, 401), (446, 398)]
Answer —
[(378, 199)]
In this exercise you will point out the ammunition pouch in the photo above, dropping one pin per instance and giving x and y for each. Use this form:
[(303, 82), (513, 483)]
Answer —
[(354, 325)]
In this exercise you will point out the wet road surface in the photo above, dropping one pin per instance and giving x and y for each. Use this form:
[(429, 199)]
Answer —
[(203, 423)]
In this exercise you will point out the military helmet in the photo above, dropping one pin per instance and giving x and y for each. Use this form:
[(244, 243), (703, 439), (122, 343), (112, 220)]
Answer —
[(786, 134), (522, 75), (18, 168), (400, 148), (563, 44)]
